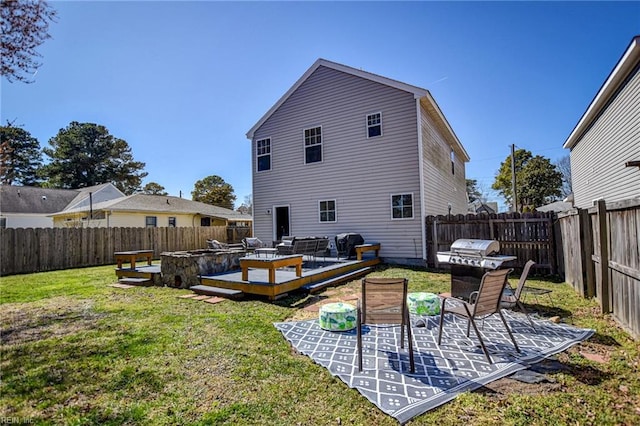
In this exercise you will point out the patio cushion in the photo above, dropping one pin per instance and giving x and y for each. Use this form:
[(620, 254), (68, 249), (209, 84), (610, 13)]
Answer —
[(337, 316)]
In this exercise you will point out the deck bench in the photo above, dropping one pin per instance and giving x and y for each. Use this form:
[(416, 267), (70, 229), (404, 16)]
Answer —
[(361, 248), (131, 257), (271, 263)]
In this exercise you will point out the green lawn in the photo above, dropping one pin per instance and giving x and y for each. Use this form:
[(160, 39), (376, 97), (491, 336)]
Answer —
[(76, 351)]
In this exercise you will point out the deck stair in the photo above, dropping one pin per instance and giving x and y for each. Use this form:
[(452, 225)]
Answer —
[(217, 291), (320, 285), (145, 282)]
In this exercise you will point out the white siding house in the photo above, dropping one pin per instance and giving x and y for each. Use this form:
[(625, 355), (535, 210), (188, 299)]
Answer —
[(605, 144), (349, 151), (31, 207)]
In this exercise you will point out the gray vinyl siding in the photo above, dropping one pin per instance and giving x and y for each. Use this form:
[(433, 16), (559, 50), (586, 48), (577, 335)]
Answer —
[(597, 160), (441, 186), (360, 174)]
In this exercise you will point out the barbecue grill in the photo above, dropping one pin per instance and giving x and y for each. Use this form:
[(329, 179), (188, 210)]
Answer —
[(469, 260)]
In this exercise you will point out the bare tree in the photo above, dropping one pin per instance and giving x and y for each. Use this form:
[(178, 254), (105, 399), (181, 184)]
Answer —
[(25, 26), (564, 167)]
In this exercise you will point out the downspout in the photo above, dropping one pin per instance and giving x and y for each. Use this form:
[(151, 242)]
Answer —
[(421, 173)]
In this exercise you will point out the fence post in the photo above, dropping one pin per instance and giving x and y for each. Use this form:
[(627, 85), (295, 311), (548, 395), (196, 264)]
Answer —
[(605, 292)]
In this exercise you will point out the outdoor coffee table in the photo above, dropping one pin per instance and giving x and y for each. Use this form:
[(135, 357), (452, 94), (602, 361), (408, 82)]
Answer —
[(270, 263)]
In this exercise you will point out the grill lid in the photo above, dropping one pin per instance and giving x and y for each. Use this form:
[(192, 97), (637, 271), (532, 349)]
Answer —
[(472, 247)]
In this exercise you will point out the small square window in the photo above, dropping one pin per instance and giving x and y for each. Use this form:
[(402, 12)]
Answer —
[(402, 206), (313, 145), (205, 221), (151, 221), (328, 211), (172, 222), (263, 154), (374, 125)]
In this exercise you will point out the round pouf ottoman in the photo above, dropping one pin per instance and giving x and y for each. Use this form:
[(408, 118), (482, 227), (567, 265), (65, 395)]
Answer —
[(337, 316), (423, 303)]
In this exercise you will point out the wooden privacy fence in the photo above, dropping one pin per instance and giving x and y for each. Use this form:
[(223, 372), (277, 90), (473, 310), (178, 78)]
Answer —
[(47, 249), (602, 257), (527, 236)]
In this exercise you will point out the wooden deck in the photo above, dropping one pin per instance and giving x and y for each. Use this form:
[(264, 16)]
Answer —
[(324, 272)]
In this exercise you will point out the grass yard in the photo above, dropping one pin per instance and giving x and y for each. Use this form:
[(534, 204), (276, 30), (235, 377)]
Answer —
[(75, 351)]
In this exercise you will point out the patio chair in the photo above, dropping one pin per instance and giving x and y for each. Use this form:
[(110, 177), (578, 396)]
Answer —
[(384, 301), (483, 303), (251, 244), (511, 298)]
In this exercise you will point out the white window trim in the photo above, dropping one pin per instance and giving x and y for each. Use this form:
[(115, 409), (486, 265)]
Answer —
[(335, 211), (270, 154), (304, 146), (366, 122), (413, 208)]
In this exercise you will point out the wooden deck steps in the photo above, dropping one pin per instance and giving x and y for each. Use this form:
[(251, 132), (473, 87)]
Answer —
[(217, 291), (145, 282), (317, 286)]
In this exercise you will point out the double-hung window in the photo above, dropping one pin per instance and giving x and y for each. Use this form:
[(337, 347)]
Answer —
[(263, 154), (313, 145), (151, 221), (402, 206), (327, 211), (374, 125)]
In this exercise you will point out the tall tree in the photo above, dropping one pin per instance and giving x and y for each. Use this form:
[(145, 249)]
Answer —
[(153, 188), (215, 191), (86, 154), (247, 206), (20, 156), (564, 167), (537, 180), (25, 26), (473, 191)]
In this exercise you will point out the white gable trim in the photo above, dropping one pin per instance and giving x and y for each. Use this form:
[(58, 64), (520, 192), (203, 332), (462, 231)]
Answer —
[(624, 66), (416, 91)]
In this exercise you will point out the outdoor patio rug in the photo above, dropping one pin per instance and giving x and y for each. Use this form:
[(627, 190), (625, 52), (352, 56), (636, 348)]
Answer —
[(442, 372)]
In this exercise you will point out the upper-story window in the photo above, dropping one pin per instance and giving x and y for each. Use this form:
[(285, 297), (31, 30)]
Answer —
[(453, 162), (313, 145), (374, 125), (327, 211), (263, 154), (402, 206)]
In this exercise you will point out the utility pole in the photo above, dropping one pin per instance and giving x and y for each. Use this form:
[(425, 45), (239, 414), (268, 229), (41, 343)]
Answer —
[(513, 178)]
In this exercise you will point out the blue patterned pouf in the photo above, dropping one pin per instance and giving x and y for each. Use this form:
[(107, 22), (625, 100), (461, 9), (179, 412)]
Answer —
[(337, 316), (423, 303)]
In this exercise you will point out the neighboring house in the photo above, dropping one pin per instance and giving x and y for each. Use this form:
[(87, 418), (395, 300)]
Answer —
[(31, 207), (556, 206), (141, 210), (477, 207), (345, 150), (605, 144)]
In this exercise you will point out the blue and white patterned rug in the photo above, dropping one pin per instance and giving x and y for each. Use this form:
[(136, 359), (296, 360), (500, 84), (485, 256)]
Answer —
[(442, 372)]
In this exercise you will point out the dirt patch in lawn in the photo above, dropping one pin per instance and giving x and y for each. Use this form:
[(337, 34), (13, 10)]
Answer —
[(23, 322)]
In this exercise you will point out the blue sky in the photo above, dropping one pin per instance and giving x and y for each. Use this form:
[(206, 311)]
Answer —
[(182, 82)]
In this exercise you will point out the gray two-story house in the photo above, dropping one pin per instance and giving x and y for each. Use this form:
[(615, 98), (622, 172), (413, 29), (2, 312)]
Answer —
[(605, 144), (348, 151)]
